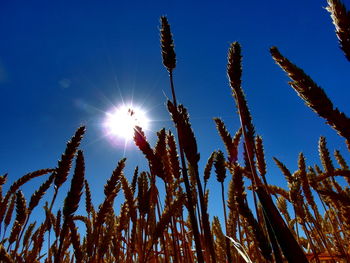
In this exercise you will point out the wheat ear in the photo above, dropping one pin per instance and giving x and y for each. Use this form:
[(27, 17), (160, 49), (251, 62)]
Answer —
[(230, 144), (134, 179), (88, 200), (21, 215), (129, 197), (3, 179), (341, 21), (167, 45), (73, 197), (4, 256), (65, 163), (207, 169), (314, 96), (16, 185), (173, 155), (9, 212), (71, 201), (114, 181), (160, 151), (260, 157), (156, 165)]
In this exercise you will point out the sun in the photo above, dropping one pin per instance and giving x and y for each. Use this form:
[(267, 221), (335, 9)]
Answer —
[(121, 121)]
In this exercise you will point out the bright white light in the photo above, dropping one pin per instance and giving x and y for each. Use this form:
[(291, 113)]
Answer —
[(122, 121)]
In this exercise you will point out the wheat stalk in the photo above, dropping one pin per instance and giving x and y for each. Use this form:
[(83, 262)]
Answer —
[(220, 170), (290, 248)]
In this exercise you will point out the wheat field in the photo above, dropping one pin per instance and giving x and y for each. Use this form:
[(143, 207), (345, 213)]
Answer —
[(307, 222)]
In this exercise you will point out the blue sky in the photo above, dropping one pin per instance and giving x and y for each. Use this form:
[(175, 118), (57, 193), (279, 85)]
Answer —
[(65, 63)]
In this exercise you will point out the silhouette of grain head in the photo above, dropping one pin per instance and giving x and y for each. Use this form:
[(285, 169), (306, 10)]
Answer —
[(260, 157), (114, 181), (341, 21), (208, 167), (38, 194), (173, 155), (3, 179), (71, 202), (234, 73), (231, 144), (64, 165), (220, 169), (234, 67), (314, 96), (167, 45)]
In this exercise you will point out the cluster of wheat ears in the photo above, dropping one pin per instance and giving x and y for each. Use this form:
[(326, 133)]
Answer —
[(178, 228)]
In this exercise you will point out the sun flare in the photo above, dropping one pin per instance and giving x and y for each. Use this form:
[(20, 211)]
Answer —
[(122, 120)]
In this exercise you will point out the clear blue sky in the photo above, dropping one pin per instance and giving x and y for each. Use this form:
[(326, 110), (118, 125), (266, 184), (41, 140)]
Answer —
[(65, 63)]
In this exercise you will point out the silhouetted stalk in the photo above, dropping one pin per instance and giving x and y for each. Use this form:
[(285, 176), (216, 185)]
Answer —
[(172, 88), (169, 61), (256, 208), (274, 244), (240, 235), (197, 214), (48, 246), (190, 207), (228, 252), (53, 198), (290, 247), (205, 219)]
